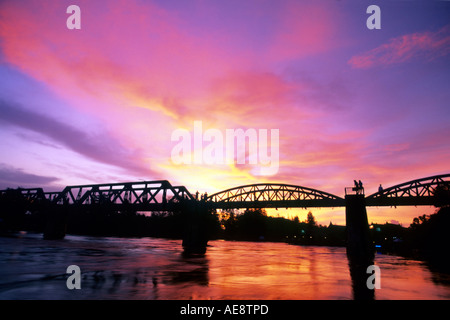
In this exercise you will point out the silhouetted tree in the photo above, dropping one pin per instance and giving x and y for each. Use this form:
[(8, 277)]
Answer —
[(310, 220), (251, 225)]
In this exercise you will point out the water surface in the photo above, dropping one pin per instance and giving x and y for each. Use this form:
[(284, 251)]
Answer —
[(151, 268)]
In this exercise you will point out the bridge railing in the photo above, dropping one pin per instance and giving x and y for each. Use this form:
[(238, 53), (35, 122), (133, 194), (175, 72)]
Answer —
[(353, 191)]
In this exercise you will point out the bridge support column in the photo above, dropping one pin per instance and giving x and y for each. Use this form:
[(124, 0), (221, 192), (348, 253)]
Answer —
[(359, 243), (195, 238), (360, 251), (56, 224)]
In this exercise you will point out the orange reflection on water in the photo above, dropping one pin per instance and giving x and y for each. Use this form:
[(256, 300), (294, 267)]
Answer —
[(403, 279), (278, 271)]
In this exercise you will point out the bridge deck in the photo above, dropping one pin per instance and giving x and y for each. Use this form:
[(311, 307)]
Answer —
[(401, 201), (322, 203)]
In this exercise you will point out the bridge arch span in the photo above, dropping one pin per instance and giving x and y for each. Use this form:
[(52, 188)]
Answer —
[(264, 195), (415, 192)]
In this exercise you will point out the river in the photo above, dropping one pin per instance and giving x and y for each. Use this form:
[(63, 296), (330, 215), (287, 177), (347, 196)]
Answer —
[(152, 268)]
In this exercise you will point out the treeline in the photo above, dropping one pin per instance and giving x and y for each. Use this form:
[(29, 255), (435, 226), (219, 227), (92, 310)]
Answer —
[(103, 220), (426, 238), (250, 225), (135, 224), (255, 225)]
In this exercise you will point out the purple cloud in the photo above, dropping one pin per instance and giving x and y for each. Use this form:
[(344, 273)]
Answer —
[(11, 177), (100, 147)]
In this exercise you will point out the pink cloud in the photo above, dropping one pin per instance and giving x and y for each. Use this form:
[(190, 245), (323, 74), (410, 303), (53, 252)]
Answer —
[(130, 53), (256, 98), (124, 49), (426, 46)]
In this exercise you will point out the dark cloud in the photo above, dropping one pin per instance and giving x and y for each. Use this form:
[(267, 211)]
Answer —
[(100, 147), (11, 177)]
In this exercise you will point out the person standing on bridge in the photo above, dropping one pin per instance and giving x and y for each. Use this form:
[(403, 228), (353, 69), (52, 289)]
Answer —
[(356, 188), (380, 189), (360, 187)]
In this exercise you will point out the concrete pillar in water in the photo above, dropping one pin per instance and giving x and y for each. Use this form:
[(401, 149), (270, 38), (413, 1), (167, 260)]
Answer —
[(360, 252), (195, 238), (359, 243), (56, 224)]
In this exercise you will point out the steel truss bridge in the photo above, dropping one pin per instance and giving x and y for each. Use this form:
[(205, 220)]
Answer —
[(160, 195), (426, 191), (157, 195), (268, 195)]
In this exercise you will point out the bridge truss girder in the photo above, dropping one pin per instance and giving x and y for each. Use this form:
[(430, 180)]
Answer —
[(23, 195), (273, 195), (423, 191), (157, 195)]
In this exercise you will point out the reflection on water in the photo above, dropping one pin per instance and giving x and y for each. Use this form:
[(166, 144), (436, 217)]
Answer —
[(149, 268)]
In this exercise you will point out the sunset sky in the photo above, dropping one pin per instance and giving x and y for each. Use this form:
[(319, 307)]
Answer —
[(100, 104)]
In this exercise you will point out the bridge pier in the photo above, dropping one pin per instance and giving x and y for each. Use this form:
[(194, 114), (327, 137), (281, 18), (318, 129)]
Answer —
[(195, 237), (359, 243), (360, 252), (56, 224)]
